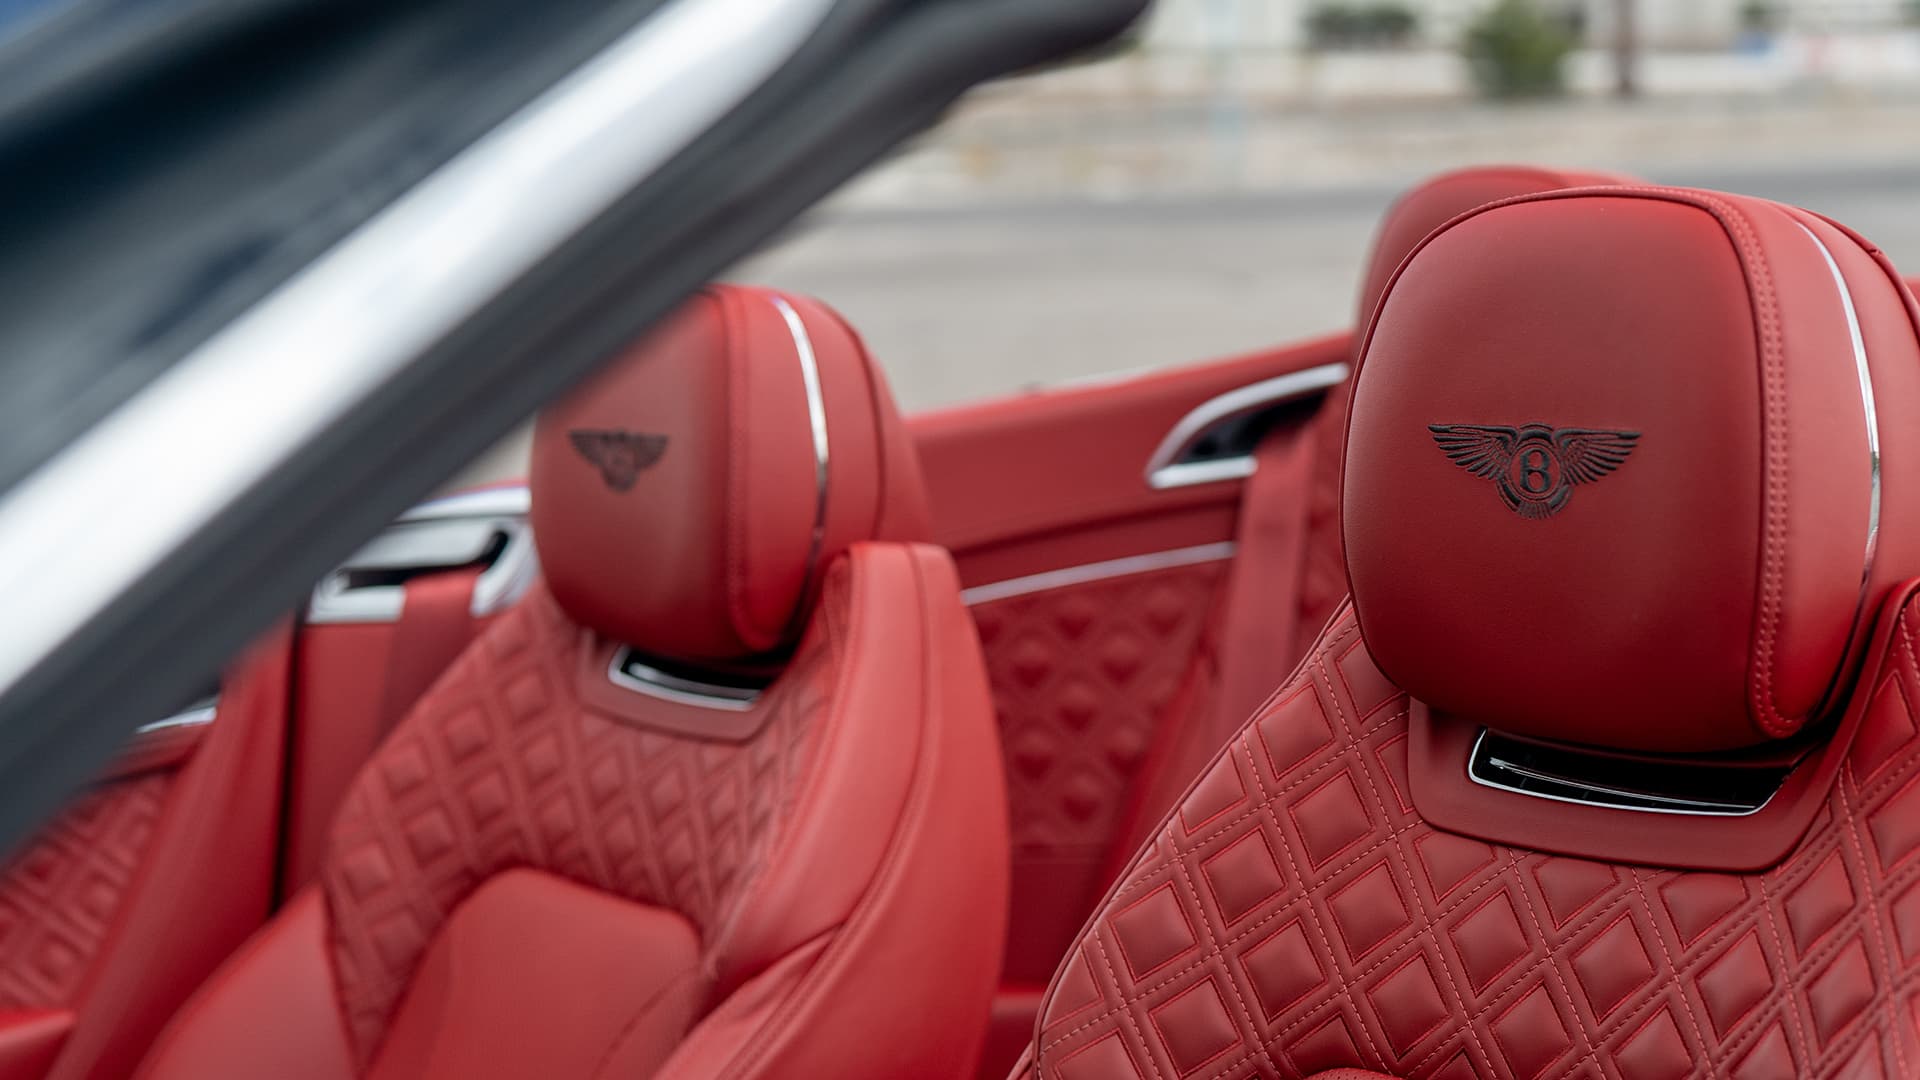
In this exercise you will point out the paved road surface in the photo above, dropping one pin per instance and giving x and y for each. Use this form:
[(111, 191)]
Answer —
[(964, 304)]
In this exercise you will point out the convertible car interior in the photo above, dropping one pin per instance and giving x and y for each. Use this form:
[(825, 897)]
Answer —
[(1519, 685)]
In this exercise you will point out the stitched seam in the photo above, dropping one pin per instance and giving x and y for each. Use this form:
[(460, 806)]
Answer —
[(1787, 1004), (1868, 789), (1419, 956), (1477, 868), (1126, 1014), (833, 957), (1644, 1025), (1153, 1017), (1398, 851), (1255, 808), (1653, 923), (1344, 986), (1852, 834), (1093, 935), (1227, 921), (1267, 751), (1452, 932), (804, 790), (1775, 452), (1643, 1009), (1147, 974), (1550, 975), (1344, 889), (1363, 972), (1624, 915)]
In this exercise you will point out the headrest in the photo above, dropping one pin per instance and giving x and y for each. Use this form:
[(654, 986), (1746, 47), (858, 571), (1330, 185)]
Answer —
[(687, 499), (1441, 198), (1611, 470)]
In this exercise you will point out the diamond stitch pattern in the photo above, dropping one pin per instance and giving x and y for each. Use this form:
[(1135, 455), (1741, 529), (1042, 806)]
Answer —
[(526, 776), (1393, 947), (59, 896), (1082, 678)]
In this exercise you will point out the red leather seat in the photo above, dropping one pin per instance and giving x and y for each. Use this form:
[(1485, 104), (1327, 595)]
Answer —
[(116, 910), (1611, 768), (1293, 550), (720, 797)]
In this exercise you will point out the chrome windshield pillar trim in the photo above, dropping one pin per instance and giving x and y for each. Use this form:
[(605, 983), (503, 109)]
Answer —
[(1099, 571), (630, 673), (1165, 467), (816, 422), (344, 327)]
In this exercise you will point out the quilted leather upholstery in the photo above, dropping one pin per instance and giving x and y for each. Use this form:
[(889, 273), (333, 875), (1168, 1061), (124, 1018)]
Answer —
[(808, 859), (1083, 678), (119, 908), (501, 767), (59, 896), (1294, 915), (813, 879)]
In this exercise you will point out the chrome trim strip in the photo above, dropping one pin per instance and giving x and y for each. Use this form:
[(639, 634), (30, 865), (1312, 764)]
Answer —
[(1866, 400), (1189, 473), (357, 317), (1100, 571), (199, 714), (817, 420), (1474, 755), (1166, 470), (656, 683)]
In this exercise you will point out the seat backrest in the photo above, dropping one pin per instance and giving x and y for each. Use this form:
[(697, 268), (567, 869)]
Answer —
[(719, 797), (1285, 546), (116, 910), (1614, 482)]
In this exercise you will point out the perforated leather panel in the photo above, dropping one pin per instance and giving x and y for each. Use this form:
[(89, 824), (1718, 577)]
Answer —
[(1082, 677), (499, 766), (59, 896), (1294, 915)]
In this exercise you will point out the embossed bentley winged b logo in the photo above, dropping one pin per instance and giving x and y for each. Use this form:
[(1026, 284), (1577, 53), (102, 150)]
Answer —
[(621, 456), (1534, 466)]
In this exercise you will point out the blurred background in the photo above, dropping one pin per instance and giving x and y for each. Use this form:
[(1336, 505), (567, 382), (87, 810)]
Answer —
[(1211, 185)]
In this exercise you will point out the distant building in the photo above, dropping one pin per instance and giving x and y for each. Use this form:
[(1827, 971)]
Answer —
[(1672, 24)]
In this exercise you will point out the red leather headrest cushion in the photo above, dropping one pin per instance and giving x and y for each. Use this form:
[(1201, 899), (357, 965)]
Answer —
[(1609, 474), (686, 500), (1441, 198)]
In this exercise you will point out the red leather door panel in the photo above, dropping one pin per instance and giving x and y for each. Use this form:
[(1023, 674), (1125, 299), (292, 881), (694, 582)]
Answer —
[(1095, 596), (1055, 478)]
